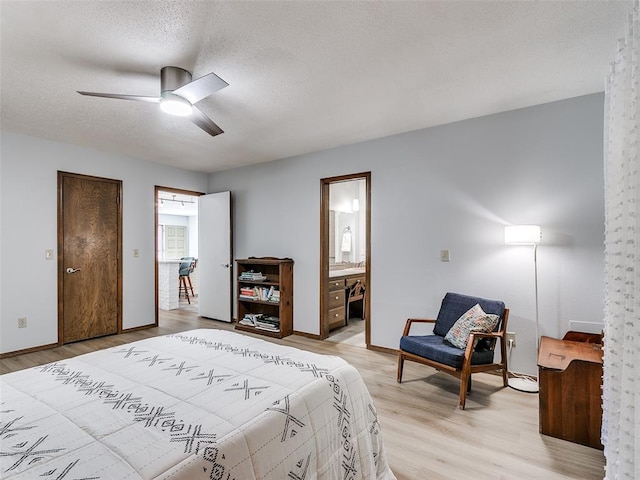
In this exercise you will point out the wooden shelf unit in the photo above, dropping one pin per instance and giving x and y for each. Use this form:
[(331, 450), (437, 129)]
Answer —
[(279, 273)]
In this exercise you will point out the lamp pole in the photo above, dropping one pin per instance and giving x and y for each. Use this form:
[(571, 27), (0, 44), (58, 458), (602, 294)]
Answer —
[(535, 280), (527, 235)]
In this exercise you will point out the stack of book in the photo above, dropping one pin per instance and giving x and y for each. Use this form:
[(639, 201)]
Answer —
[(261, 321), (252, 276), (248, 293), (250, 319), (268, 323), (270, 294)]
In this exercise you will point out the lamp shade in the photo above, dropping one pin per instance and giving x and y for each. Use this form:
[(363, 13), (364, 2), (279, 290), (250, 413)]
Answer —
[(522, 234)]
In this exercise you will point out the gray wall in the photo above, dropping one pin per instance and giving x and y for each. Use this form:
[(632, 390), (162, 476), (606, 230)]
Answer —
[(450, 187), (28, 226)]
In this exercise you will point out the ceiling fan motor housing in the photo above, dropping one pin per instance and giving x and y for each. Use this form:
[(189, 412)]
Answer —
[(172, 78)]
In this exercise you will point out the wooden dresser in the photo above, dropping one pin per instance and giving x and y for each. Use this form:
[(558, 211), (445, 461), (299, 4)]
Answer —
[(340, 281), (570, 378)]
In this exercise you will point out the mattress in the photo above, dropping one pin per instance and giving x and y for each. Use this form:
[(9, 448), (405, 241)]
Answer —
[(202, 404)]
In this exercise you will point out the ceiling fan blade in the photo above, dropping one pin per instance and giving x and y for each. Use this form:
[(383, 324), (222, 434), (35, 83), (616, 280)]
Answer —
[(201, 87), (138, 98), (205, 123)]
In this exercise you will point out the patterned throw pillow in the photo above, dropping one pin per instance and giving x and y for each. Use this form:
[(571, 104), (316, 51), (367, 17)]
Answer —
[(473, 320)]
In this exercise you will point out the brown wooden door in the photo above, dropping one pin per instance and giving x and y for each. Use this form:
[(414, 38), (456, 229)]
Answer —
[(89, 260)]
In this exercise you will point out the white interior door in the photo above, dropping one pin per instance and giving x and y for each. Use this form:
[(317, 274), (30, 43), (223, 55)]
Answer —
[(214, 256)]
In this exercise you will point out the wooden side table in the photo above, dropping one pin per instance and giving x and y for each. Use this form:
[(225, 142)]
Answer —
[(570, 378)]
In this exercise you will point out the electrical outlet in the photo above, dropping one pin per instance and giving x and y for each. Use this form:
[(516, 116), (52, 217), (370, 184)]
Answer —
[(444, 255), (48, 254), (22, 322), (511, 339), (136, 253)]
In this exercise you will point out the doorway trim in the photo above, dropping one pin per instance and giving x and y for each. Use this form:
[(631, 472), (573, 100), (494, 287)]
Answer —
[(324, 251), (156, 264)]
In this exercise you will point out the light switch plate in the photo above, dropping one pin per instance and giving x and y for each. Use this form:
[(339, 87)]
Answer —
[(136, 252), (48, 254)]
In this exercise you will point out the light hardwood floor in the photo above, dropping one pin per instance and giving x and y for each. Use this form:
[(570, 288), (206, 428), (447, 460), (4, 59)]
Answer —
[(426, 436)]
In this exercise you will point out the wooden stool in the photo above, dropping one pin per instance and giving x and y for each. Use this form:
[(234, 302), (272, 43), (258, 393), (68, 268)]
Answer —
[(187, 266), (182, 286)]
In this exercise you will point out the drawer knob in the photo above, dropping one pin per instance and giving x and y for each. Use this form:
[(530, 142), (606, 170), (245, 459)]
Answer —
[(337, 315), (337, 297)]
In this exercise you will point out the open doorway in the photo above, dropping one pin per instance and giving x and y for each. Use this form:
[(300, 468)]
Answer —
[(345, 256), (176, 228)]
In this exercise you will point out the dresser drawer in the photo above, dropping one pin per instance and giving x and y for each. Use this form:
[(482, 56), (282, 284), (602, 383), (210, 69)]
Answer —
[(336, 285), (336, 317), (353, 280), (336, 298)]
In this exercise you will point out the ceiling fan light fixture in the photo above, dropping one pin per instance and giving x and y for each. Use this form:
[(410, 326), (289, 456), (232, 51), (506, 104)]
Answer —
[(175, 105), (178, 95)]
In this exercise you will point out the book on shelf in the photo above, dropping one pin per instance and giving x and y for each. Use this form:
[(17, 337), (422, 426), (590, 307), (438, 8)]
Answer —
[(253, 276), (264, 294), (250, 319), (261, 321), (269, 323), (268, 328)]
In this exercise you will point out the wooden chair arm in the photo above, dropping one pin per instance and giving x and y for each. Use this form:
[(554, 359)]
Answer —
[(407, 325), (488, 335), (471, 345)]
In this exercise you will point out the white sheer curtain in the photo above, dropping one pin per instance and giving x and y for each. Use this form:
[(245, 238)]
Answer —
[(621, 383)]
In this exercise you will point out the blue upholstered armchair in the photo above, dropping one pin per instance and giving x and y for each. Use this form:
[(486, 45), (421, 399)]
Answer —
[(463, 342)]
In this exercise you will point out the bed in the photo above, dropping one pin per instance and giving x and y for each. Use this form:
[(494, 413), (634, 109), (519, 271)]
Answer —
[(202, 404)]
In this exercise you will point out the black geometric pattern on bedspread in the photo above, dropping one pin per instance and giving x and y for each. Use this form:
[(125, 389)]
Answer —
[(291, 422), (343, 418), (190, 435)]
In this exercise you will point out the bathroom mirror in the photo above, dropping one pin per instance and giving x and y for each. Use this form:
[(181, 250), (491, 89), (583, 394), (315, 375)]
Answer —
[(347, 242)]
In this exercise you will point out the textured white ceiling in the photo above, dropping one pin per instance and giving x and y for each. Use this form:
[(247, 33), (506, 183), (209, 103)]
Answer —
[(303, 75)]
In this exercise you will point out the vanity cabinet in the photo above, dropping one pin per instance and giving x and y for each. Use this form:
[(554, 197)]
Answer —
[(337, 312), (337, 300)]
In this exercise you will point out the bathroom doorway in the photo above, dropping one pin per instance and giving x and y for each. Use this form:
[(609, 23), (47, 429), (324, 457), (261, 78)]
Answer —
[(345, 258)]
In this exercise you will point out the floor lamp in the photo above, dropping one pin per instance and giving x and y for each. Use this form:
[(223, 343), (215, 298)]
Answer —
[(526, 235)]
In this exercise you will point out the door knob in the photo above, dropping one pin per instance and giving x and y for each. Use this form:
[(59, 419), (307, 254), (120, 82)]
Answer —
[(73, 270)]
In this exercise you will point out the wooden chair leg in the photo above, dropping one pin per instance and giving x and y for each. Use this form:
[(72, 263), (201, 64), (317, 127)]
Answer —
[(190, 286), (183, 284), (464, 384), (347, 310), (400, 366)]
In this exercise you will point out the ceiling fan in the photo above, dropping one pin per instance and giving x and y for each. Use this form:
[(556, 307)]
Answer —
[(178, 94)]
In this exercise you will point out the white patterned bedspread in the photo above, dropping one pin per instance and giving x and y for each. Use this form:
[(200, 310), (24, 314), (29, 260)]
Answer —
[(203, 404)]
